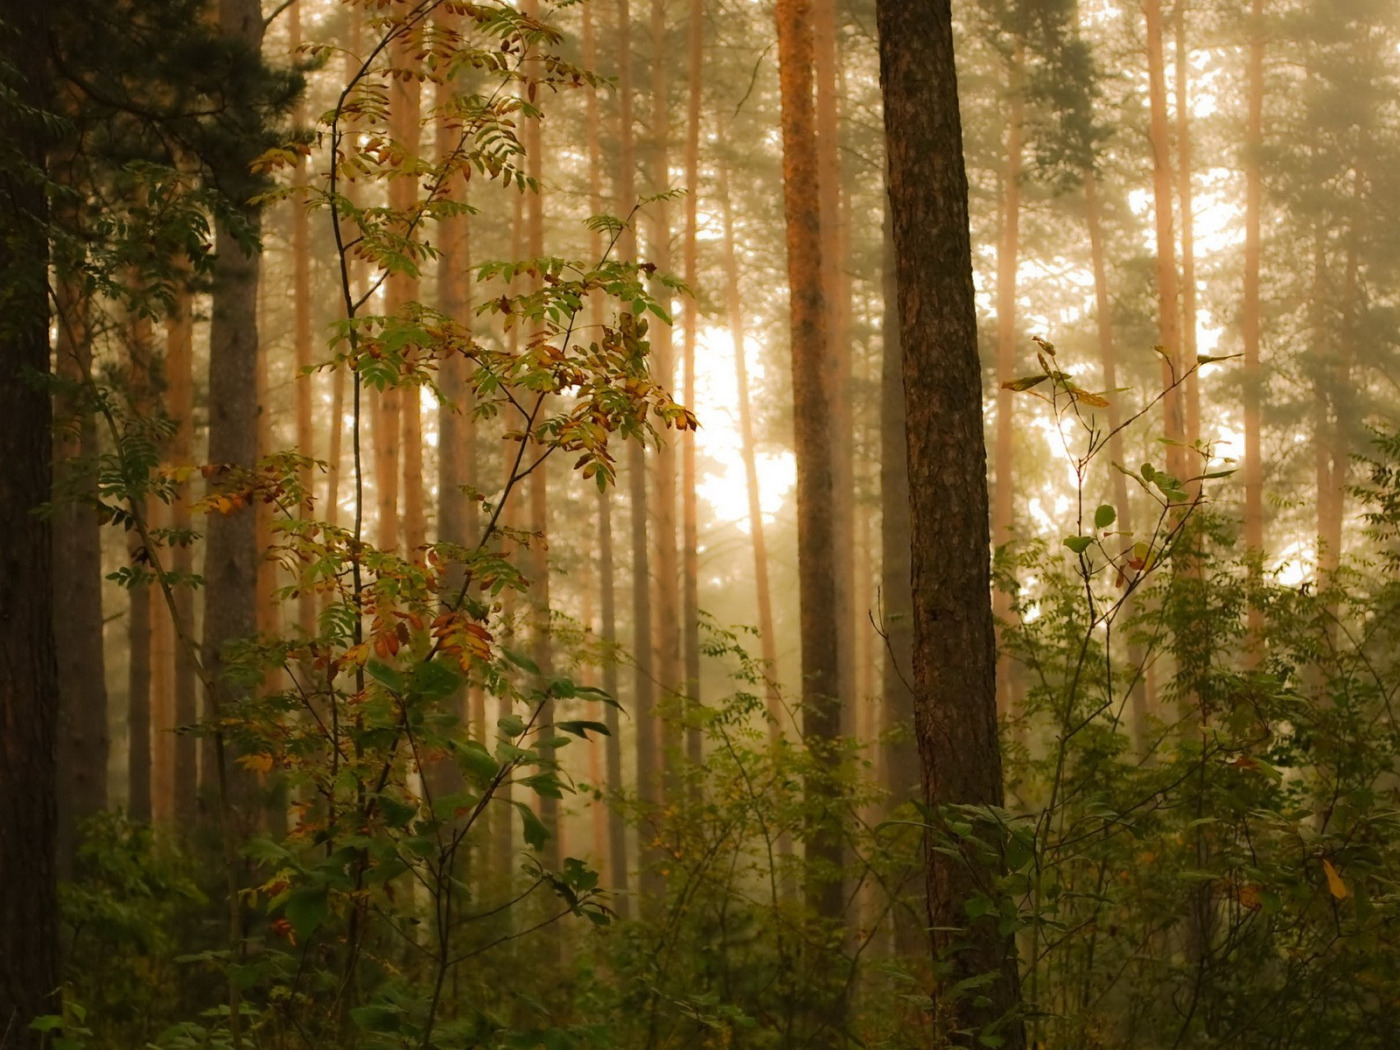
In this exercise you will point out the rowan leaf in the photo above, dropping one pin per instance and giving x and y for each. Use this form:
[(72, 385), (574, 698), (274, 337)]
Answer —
[(1335, 885), (1024, 383)]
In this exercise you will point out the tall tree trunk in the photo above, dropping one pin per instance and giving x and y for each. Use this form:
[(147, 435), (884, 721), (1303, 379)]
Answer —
[(301, 334), (143, 403), (406, 96), (28, 670), (899, 759), (179, 369), (458, 520), (826, 59), (767, 641), (231, 554), (1250, 320), (1192, 391), (666, 631), (1168, 298), (954, 642), (163, 652), (617, 874), (812, 437), (690, 512), (1140, 699), (651, 887), (83, 743), (541, 634), (1008, 261)]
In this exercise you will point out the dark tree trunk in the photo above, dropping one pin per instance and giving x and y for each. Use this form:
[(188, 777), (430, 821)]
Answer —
[(899, 758), (28, 671), (83, 744), (954, 649), (231, 550)]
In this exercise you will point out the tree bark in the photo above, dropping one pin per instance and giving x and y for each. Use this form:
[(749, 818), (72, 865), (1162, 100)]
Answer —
[(954, 645), (301, 335), (1191, 394), (812, 442), (899, 758), (231, 553), (1140, 701), (179, 367), (690, 512), (837, 374), (767, 641), (616, 871), (1168, 283), (1250, 322), (1008, 261), (28, 669), (83, 743), (666, 631), (142, 400)]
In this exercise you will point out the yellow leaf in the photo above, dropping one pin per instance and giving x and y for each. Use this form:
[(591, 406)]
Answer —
[(1335, 885), (256, 763)]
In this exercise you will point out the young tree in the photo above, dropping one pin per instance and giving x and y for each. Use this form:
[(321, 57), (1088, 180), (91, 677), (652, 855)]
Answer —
[(954, 644)]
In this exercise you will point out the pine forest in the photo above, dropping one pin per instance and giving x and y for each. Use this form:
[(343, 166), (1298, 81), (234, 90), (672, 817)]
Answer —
[(668, 524)]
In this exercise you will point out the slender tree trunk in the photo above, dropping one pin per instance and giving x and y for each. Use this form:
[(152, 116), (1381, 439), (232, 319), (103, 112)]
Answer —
[(301, 334), (163, 650), (83, 743), (355, 269), (1192, 392), (690, 513), (1168, 297), (29, 927), (1140, 699), (406, 96), (812, 438), (1008, 261), (1250, 320), (954, 642), (666, 585), (748, 449), (179, 368), (142, 400), (826, 63), (651, 886), (541, 634), (617, 872), (458, 521)]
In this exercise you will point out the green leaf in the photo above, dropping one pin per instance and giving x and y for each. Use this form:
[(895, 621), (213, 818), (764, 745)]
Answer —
[(1024, 383), (581, 728), (435, 680), (1148, 472), (385, 675), (511, 725), (1079, 544), (377, 1018), (1104, 517), (536, 834), (306, 908), (397, 813), (520, 660), (477, 762)]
